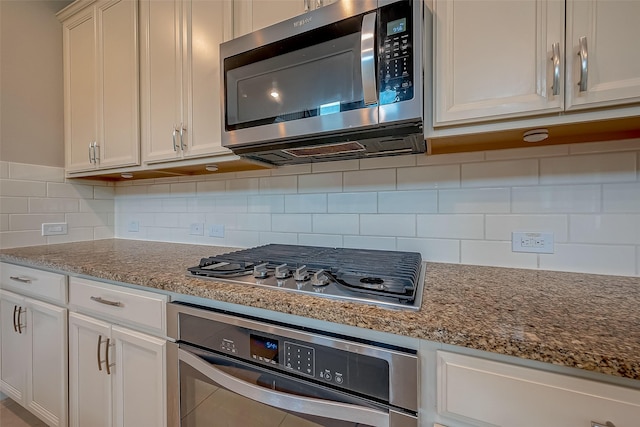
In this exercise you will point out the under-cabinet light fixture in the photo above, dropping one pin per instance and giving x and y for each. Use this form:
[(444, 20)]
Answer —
[(536, 135), (211, 168)]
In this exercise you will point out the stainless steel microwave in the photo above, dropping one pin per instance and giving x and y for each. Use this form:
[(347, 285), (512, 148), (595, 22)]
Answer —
[(340, 82)]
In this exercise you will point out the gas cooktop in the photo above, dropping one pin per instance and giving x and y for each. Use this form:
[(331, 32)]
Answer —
[(390, 279)]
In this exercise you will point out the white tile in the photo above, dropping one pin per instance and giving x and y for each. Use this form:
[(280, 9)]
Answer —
[(370, 180), (186, 219), (528, 152), (167, 220), (395, 225), (104, 193), (500, 227), (605, 146), (598, 259), (183, 188), (339, 166), (608, 229), (418, 201), (37, 205), (285, 184), (140, 204), (253, 221), (229, 220), (15, 188), (291, 170), (244, 185), (4, 169), (9, 205), (388, 162), (281, 238), (434, 250), (497, 174), (201, 204), (594, 168), (82, 234), (4, 222), (231, 204), (450, 158), (131, 191), (621, 197), (476, 200), (499, 254), (174, 204), (556, 199), (100, 233), (352, 203), (368, 242), (78, 191), (159, 190), (86, 219), (36, 172), (17, 239), (451, 226), (336, 223), (429, 177), (22, 222), (241, 239), (305, 203), (96, 205), (293, 223), (266, 204), (320, 183), (161, 234), (210, 187), (324, 240), (638, 264)]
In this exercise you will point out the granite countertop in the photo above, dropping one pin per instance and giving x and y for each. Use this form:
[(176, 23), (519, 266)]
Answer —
[(578, 320)]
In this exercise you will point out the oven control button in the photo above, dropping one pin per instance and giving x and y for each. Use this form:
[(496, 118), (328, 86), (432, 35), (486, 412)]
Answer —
[(282, 271), (260, 271), (327, 375), (339, 379), (301, 274), (320, 278)]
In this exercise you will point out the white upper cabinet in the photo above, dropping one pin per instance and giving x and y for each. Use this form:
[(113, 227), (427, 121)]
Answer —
[(495, 59), (100, 47), (255, 14), (180, 77), (609, 51)]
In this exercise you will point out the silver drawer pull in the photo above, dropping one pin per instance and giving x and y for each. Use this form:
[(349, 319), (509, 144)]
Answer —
[(607, 424), (107, 302), (20, 279)]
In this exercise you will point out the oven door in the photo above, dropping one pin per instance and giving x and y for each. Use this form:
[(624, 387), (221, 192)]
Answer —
[(217, 390)]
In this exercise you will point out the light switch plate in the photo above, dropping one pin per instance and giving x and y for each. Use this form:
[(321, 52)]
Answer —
[(54, 228)]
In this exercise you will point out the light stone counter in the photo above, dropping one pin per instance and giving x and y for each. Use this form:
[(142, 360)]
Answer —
[(577, 320)]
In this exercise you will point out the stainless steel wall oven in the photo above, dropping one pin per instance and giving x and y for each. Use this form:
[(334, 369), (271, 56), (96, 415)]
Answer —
[(227, 370)]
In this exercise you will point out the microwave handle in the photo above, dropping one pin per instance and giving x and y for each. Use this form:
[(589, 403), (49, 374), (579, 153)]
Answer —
[(306, 405), (368, 59)]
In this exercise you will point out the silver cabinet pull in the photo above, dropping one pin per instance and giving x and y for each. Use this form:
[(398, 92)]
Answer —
[(107, 302), (15, 324), (319, 3), (98, 352), (583, 53), (307, 6), (96, 153), (175, 133), (20, 279), (108, 365), (555, 58), (607, 424), (367, 59), (90, 157), (18, 322), (182, 131)]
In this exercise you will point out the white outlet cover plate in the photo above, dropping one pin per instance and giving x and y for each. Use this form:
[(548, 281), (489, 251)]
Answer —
[(197, 229), (216, 230), (532, 242), (54, 229), (133, 226)]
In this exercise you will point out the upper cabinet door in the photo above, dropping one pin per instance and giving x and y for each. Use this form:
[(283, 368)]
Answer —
[(602, 53), (80, 86), (495, 59)]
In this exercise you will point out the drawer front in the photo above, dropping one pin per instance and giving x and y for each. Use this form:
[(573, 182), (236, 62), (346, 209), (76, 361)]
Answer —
[(33, 282), (488, 393), (133, 307)]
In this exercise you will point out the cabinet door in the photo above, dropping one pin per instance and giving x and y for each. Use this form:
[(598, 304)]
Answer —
[(47, 377), (207, 24), (493, 59), (611, 31), (90, 400), (160, 74), (14, 348), (140, 384), (118, 110), (80, 86)]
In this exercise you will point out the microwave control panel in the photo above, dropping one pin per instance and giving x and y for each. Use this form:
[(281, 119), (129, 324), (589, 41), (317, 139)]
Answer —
[(396, 53)]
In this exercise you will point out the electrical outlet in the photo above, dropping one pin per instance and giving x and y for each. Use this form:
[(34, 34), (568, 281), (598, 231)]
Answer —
[(54, 229), (197, 229), (216, 230), (540, 243), (133, 226)]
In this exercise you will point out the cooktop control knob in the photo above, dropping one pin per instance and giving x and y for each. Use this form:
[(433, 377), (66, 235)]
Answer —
[(282, 271), (260, 271), (320, 278), (301, 274)]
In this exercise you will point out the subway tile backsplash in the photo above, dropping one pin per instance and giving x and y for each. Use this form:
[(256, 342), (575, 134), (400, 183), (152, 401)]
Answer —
[(457, 208)]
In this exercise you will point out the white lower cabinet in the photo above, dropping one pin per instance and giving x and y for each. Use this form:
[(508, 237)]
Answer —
[(33, 345), (117, 373), (476, 392)]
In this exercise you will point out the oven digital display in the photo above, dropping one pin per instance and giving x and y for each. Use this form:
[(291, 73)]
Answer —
[(264, 349)]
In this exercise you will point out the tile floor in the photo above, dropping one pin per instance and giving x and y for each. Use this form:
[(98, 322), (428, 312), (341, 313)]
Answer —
[(14, 415)]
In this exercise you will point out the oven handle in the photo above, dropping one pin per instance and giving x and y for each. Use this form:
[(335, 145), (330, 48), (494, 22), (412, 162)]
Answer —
[(304, 405)]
